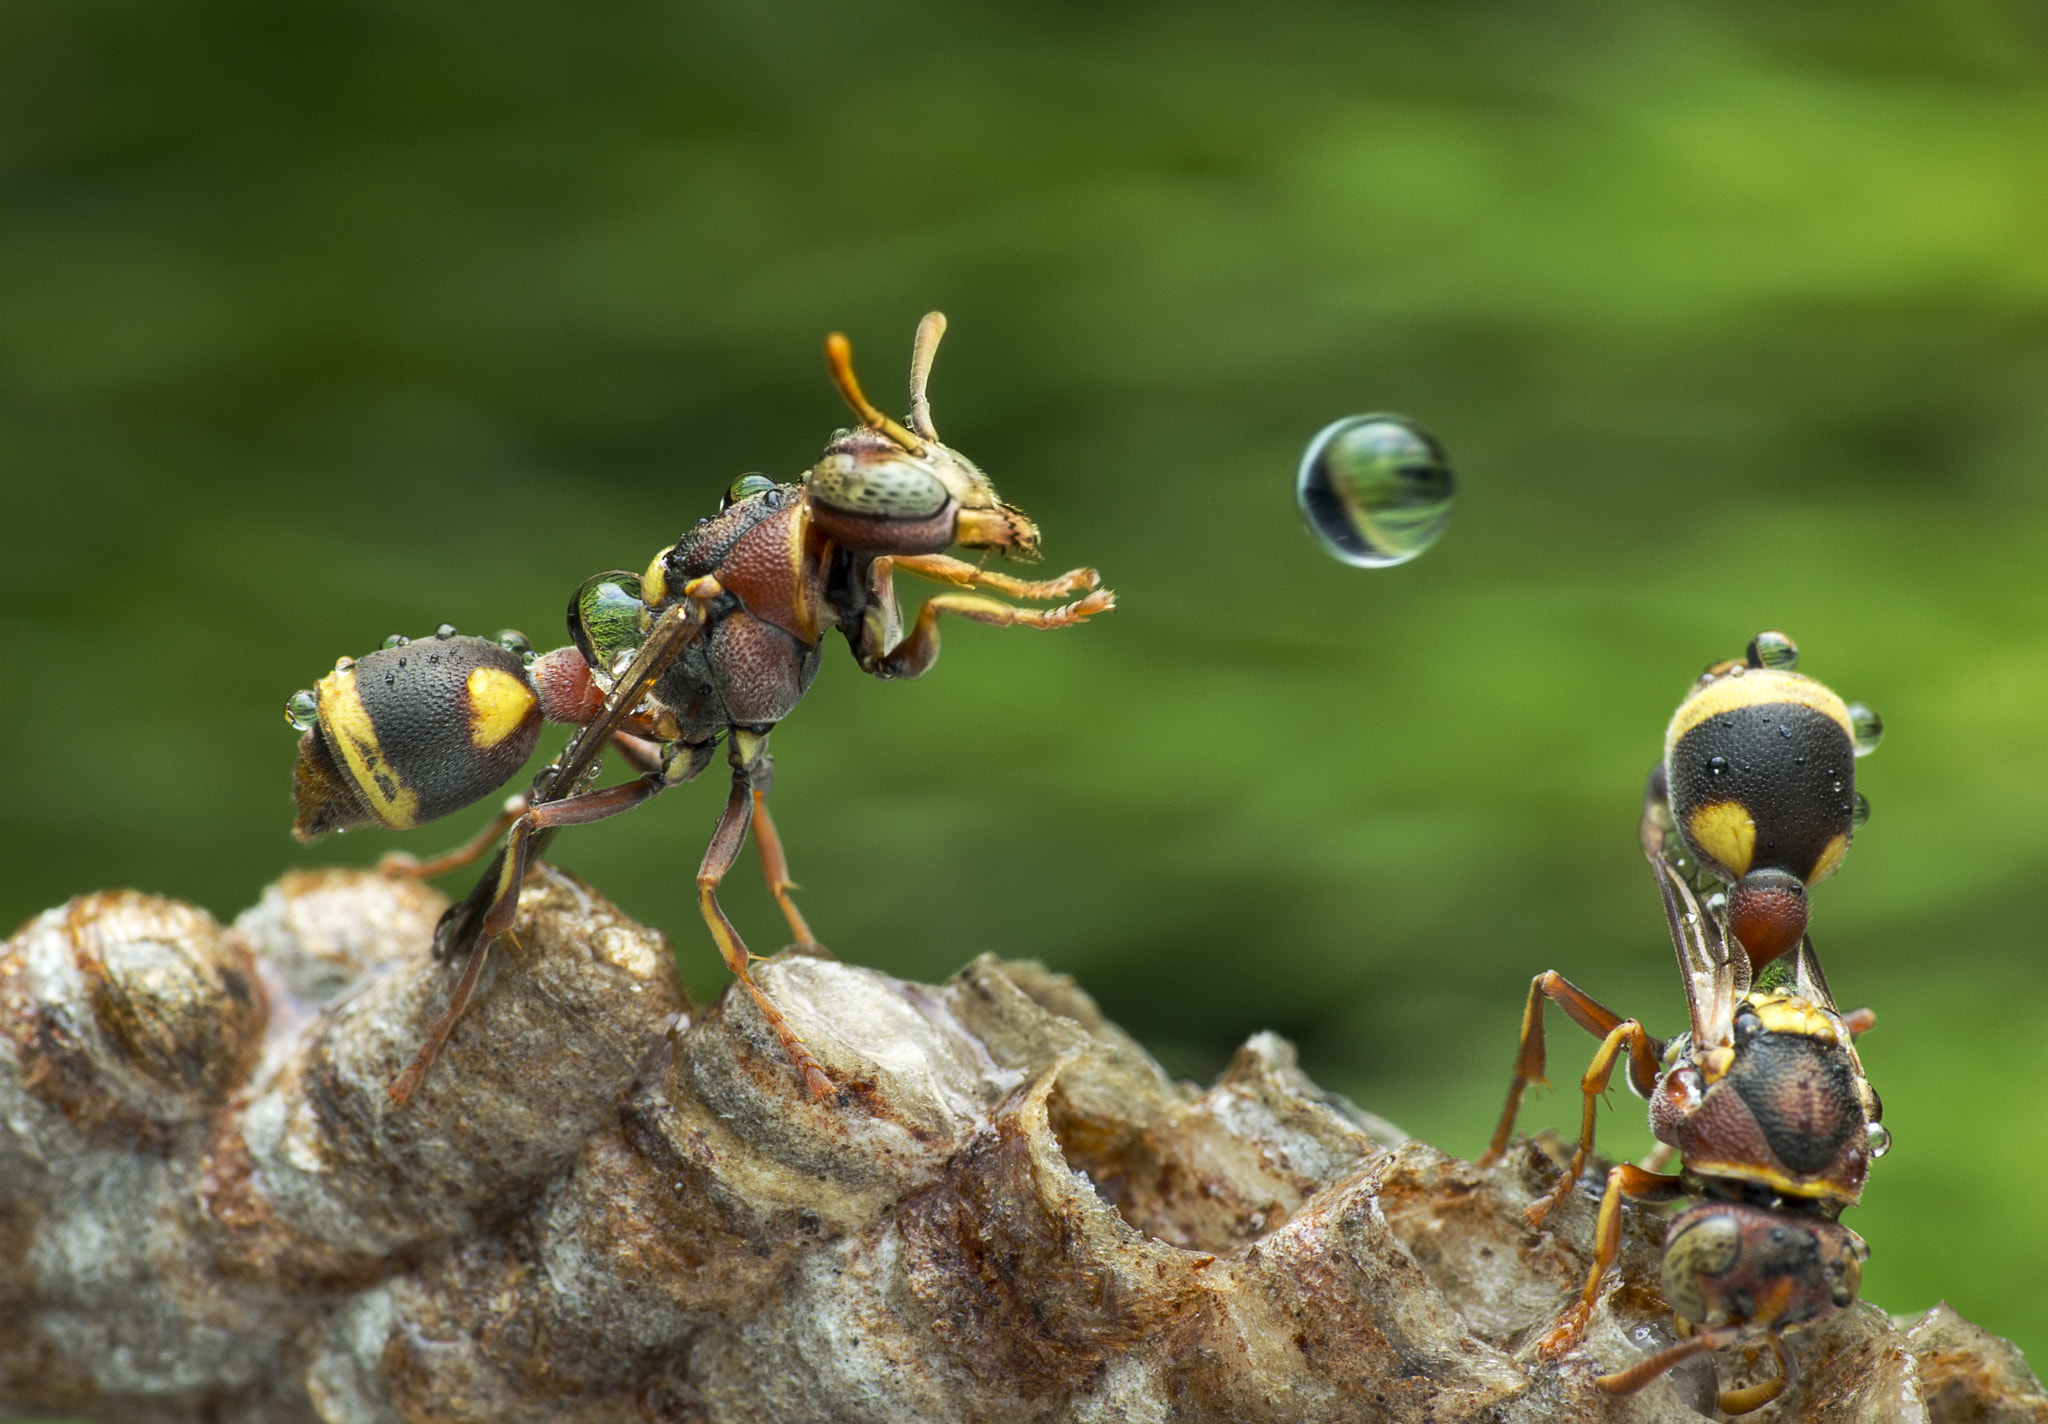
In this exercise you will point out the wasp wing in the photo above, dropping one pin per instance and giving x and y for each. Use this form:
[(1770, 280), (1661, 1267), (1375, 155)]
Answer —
[(1715, 978), (1807, 980)]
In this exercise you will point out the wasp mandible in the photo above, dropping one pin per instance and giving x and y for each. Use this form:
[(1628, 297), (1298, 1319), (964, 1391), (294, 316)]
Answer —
[(717, 640)]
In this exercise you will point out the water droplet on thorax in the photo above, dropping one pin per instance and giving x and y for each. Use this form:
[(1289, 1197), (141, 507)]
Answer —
[(302, 710), (1866, 727), (1772, 649), (1880, 1138), (1376, 489)]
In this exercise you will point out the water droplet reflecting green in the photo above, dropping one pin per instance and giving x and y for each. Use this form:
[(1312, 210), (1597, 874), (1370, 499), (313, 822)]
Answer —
[(1880, 1139), (302, 710), (1772, 649), (608, 622), (746, 487), (344, 664), (1376, 489), (1859, 810), (1866, 727), (445, 631), (513, 641), (396, 640)]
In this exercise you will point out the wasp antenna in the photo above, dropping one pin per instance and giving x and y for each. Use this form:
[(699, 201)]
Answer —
[(839, 359), (927, 346)]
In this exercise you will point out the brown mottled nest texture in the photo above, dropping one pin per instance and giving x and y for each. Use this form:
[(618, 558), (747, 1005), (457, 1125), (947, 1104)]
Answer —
[(609, 1205)]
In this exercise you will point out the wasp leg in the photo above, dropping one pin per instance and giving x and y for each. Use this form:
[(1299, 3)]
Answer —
[(400, 865), (1756, 1396), (1582, 1009), (914, 655), (718, 859), (775, 869), (1624, 1180), (643, 756), (943, 569), (1642, 1053), (1640, 1373), (504, 906)]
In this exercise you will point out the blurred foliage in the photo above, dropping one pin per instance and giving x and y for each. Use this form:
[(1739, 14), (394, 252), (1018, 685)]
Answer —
[(326, 320)]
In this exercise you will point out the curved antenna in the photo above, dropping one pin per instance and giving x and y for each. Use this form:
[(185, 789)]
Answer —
[(927, 346), (839, 360)]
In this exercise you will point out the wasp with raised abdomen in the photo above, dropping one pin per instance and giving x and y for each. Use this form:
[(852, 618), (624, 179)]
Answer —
[(717, 640), (1763, 1100)]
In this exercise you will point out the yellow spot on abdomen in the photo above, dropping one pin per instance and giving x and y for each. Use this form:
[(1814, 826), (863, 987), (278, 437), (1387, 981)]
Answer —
[(1830, 860), (499, 705), (1726, 832), (348, 726)]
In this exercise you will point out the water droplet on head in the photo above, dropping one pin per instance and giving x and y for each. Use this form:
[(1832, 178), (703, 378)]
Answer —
[(445, 631), (344, 664), (302, 710), (1866, 728), (513, 641), (1880, 1139), (396, 640), (1376, 489), (1859, 812), (1772, 649)]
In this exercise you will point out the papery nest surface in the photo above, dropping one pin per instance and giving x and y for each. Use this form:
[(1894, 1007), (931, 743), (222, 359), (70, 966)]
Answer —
[(609, 1204)]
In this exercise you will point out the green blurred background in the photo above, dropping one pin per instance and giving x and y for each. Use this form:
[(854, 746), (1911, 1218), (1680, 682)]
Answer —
[(326, 320)]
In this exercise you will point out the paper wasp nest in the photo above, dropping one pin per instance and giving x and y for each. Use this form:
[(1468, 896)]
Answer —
[(607, 1205)]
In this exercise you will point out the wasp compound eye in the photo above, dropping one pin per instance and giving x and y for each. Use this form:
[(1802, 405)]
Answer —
[(889, 488), (1376, 490), (746, 487), (608, 622)]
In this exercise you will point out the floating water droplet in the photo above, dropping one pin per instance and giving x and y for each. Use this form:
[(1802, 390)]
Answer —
[(513, 641), (445, 631), (1880, 1139), (1860, 811), (396, 640), (302, 710), (344, 664), (1866, 726), (1772, 649), (1376, 489)]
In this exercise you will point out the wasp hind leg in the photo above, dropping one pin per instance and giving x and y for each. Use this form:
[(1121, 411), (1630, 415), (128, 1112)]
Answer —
[(503, 906)]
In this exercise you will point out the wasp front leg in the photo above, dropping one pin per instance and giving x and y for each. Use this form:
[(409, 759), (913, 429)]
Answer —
[(881, 653), (1623, 1181)]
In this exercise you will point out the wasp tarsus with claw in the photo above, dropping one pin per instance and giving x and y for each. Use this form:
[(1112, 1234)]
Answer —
[(1763, 1099), (717, 639)]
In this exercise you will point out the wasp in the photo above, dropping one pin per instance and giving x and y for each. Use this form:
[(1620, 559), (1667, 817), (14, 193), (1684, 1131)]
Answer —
[(1763, 1100), (715, 641)]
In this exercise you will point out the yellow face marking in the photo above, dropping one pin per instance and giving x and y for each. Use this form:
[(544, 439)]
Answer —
[(1727, 832), (1830, 860), (1755, 688), (499, 705), (349, 727)]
